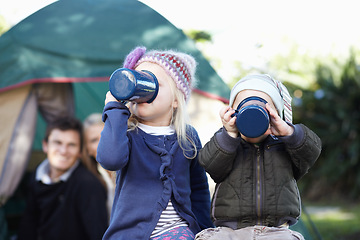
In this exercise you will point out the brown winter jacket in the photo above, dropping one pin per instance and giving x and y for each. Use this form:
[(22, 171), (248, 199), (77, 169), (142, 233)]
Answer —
[(257, 184)]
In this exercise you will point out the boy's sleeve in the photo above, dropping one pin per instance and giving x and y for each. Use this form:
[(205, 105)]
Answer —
[(200, 194), (113, 148), (304, 147), (218, 155)]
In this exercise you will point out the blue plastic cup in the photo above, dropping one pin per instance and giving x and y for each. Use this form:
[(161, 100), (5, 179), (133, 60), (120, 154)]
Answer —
[(130, 85), (252, 117)]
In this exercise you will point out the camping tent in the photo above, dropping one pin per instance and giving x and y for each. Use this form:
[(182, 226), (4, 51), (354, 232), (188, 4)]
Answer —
[(59, 59)]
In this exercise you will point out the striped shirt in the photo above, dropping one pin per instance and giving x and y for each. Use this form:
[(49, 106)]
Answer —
[(169, 219)]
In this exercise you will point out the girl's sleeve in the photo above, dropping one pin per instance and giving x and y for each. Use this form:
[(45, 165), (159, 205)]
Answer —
[(113, 148), (200, 194)]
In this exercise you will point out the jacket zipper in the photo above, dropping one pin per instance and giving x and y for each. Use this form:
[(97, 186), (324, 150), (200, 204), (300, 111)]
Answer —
[(273, 145), (258, 186)]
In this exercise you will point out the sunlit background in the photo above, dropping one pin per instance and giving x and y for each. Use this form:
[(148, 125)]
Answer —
[(249, 34)]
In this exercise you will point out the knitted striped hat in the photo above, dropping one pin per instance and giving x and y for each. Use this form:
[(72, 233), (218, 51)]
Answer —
[(180, 66), (275, 89)]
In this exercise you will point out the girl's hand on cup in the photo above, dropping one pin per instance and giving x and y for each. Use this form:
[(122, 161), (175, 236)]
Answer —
[(110, 98)]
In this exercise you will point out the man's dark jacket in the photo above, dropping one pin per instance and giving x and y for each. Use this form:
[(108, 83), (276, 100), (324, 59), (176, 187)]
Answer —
[(71, 210)]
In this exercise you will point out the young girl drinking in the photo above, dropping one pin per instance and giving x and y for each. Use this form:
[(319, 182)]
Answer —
[(161, 190)]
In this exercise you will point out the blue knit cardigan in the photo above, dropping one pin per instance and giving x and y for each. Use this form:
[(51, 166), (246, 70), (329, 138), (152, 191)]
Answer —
[(151, 170)]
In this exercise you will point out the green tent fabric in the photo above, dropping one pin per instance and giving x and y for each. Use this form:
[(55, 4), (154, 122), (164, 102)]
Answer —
[(75, 45), (86, 40)]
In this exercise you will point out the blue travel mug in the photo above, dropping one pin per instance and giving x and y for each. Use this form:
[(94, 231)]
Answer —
[(130, 85), (252, 117)]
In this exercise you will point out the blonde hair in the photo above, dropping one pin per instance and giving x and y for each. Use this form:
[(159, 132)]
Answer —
[(180, 120)]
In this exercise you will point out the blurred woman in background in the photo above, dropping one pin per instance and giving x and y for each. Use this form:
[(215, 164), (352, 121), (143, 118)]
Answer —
[(93, 125)]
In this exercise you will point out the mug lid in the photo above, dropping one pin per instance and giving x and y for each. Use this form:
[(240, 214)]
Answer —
[(252, 98)]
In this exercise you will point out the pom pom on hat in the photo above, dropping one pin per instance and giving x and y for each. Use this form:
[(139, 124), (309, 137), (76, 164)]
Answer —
[(180, 66), (265, 83), (134, 56)]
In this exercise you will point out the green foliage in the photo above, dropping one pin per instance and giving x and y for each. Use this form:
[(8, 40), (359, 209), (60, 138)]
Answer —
[(3, 25), (199, 36), (336, 222), (333, 112)]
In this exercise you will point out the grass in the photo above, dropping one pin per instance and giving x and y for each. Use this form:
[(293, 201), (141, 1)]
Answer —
[(333, 221)]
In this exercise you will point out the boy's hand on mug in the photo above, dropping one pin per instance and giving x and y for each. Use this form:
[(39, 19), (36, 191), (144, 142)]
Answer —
[(278, 127), (110, 98), (229, 122)]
